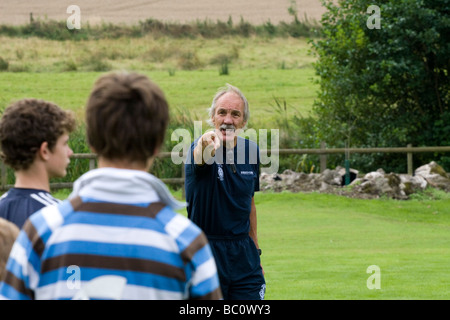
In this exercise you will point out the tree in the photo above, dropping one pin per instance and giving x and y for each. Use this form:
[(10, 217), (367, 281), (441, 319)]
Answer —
[(388, 86)]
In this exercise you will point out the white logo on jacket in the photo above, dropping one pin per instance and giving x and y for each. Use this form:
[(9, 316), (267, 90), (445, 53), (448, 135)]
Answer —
[(220, 172)]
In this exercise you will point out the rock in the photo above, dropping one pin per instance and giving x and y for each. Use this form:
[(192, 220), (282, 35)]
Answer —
[(356, 182), (324, 187), (413, 184), (332, 177), (372, 185), (431, 169), (396, 185), (374, 175), (435, 176), (378, 184)]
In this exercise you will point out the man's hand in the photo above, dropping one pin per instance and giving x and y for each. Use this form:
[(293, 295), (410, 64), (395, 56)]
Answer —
[(206, 147)]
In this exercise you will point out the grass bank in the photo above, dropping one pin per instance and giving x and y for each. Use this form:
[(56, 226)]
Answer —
[(153, 53)]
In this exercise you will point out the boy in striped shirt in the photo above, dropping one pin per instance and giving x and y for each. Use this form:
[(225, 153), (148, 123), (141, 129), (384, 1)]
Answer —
[(34, 138), (119, 220)]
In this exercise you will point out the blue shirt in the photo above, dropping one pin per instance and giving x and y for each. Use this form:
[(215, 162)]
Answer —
[(219, 194), (19, 203)]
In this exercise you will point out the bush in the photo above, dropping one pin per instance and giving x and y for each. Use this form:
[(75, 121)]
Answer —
[(96, 62), (188, 60), (70, 65), (223, 70), (3, 64), (384, 87)]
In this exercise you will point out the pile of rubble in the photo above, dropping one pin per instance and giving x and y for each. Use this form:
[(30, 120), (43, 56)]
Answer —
[(371, 185)]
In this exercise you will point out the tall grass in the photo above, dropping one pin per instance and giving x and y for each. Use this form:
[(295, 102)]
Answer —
[(153, 53)]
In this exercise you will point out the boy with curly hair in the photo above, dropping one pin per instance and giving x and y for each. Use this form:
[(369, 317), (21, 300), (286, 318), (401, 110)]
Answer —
[(34, 138)]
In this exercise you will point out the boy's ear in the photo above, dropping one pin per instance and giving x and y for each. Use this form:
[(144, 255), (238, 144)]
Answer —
[(44, 151)]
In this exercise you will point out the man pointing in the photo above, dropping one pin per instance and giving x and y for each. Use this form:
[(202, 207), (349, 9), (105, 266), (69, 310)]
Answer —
[(222, 175)]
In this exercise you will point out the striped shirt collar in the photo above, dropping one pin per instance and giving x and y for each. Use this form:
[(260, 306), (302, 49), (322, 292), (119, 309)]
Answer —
[(123, 186)]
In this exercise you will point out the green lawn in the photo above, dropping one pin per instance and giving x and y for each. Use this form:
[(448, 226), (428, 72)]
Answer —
[(319, 246), (186, 91)]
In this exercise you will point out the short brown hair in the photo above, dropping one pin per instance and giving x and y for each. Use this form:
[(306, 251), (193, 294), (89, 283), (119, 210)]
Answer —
[(26, 124), (126, 117), (8, 234)]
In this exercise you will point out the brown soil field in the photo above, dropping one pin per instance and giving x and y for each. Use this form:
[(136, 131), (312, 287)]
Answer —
[(14, 12)]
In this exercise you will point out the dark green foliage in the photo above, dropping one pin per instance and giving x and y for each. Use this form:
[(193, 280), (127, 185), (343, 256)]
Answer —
[(385, 87)]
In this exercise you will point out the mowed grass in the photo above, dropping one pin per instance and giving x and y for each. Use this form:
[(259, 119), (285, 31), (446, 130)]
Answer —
[(186, 91), (318, 246)]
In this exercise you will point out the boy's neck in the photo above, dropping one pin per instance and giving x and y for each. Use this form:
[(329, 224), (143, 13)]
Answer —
[(125, 164), (32, 179)]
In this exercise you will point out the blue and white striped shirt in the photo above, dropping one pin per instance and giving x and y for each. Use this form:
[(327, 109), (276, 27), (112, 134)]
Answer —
[(161, 254)]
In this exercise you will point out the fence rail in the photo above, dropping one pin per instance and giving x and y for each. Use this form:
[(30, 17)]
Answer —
[(322, 152)]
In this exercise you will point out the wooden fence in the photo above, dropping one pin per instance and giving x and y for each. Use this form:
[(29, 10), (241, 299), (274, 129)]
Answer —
[(322, 152)]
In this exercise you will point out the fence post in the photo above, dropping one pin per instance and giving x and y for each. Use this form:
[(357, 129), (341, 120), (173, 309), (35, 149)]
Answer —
[(409, 159), (323, 157)]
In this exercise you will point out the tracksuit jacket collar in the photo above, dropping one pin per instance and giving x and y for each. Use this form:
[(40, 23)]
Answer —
[(123, 186)]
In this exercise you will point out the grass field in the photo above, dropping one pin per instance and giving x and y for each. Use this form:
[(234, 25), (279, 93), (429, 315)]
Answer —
[(319, 246), (187, 91)]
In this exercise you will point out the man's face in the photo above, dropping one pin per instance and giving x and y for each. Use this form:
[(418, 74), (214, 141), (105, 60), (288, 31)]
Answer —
[(59, 157), (228, 116)]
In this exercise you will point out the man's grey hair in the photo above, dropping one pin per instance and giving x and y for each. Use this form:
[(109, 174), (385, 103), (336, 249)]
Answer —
[(228, 88)]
